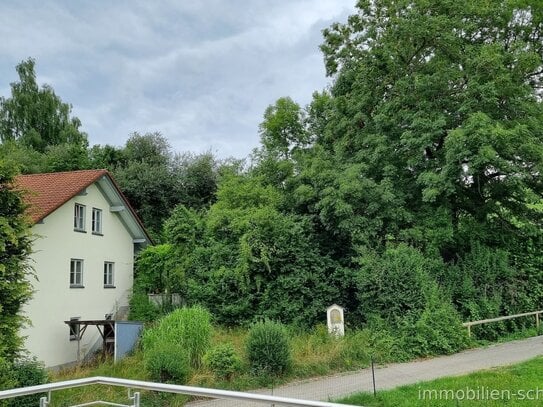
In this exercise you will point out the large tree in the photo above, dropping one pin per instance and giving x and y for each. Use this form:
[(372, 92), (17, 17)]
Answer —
[(155, 180), (432, 135), (35, 116), (436, 110)]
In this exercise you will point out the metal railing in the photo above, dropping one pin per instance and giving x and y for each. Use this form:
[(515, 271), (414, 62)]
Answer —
[(486, 321), (161, 387)]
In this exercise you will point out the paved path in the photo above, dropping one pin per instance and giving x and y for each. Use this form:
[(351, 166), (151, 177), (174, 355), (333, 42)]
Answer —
[(333, 387)]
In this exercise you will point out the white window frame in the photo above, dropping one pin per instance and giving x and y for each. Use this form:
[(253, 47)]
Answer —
[(76, 276), (109, 274), (79, 217), (96, 221)]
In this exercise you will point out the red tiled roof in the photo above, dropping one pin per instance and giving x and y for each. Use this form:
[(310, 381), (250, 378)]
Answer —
[(43, 193)]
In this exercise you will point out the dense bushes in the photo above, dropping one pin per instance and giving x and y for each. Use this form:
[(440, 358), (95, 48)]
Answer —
[(268, 348), (437, 331), (248, 258), (21, 373), (142, 309), (374, 197), (393, 285), (157, 270), (483, 285), (399, 287)]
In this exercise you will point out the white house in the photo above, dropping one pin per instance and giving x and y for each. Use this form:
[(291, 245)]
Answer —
[(86, 235)]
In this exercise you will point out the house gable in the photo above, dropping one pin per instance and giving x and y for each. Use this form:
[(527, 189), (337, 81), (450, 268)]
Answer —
[(45, 193), (82, 271)]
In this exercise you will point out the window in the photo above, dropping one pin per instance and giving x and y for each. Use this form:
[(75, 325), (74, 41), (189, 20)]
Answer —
[(76, 273), (74, 329), (96, 221), (79, 217), (109, 274)]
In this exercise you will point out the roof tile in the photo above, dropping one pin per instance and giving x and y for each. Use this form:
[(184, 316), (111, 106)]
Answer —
[(43, 193)]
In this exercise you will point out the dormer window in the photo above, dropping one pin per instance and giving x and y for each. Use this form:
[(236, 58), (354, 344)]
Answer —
[(79, 217), (96, 221)]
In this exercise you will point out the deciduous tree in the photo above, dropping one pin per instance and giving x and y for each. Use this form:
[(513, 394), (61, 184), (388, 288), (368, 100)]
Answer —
[(35, 116)]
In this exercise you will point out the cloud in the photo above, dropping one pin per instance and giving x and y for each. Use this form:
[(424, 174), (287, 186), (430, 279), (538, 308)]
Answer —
[(201, 73)]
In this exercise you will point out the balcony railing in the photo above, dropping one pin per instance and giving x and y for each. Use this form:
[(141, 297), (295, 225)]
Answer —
[(160, 387)]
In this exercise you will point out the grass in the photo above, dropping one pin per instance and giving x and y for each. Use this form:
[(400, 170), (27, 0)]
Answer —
[(510, 385), (128, 368), (314, 353), (513, 336)]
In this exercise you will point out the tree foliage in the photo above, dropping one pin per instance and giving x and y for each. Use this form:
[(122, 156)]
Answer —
[(37, 117), (442, 99), (15, 241), (409, 191), (283, 130), (156, 181), (415, 176)]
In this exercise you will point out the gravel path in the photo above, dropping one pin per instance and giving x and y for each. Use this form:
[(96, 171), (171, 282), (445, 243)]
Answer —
[(386, 377)]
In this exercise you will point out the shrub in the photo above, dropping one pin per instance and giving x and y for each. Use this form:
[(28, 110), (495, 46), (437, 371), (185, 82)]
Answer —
[(21, 373), (484, 285), (7, 381), (141, 309), (188, 327), (223, 361), (168, 362), (437, 331), (361, 346), (394, 284), (157, 270), (268, 348)]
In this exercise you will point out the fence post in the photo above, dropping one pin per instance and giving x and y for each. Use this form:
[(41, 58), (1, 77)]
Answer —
[(373, 376), (537, 321), (469, 331)]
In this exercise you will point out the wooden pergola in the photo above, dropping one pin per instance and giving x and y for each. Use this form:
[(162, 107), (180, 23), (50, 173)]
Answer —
[(106, 327)]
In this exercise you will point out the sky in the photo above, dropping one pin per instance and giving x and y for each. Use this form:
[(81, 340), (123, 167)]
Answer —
[(199, 72)]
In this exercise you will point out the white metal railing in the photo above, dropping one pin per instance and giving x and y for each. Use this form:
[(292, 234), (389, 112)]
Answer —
[(486, 321), (167, 388)]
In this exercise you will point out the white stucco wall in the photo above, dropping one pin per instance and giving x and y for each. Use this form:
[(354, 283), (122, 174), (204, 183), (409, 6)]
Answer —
[(54, 301)]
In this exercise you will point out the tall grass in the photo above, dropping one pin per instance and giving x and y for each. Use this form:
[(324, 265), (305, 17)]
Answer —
[(314, 353), (268, 348), (189, 328)]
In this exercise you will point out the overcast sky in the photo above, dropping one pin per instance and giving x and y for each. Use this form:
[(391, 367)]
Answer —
[(200, 72)]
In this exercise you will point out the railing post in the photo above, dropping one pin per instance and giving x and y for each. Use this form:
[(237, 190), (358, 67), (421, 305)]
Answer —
[(44, 402), (136, 399), (537, 321), (469, 331)]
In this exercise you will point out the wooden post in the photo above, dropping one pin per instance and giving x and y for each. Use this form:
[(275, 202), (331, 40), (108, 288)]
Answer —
[(78, 349), (469, 331), (537, 321)]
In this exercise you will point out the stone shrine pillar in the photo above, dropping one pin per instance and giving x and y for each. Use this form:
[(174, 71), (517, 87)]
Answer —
[(336, 325)]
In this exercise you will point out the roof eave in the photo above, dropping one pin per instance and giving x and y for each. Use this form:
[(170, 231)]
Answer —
[(127, 214)]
